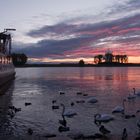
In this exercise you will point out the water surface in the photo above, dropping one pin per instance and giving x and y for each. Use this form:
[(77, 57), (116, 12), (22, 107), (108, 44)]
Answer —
[(42, 85)]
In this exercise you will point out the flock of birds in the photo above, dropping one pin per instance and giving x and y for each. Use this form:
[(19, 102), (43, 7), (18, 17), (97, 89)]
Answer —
[(98, 118)]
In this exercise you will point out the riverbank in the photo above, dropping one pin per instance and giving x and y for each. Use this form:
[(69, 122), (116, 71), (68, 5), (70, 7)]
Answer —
[(85, 65)]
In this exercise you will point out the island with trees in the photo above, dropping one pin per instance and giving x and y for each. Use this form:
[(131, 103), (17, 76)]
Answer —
[(111, 60)]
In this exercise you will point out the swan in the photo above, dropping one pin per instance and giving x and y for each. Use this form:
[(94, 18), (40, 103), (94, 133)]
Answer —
[(119, 109), (92, 100), (63, 121), (103, 130), (124, 134), (136, 93), (68, 113), (103, 118), (138, 125), (132, 96)]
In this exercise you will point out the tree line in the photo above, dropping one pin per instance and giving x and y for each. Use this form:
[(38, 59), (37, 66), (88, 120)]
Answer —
[(19, 59), (109, 58)]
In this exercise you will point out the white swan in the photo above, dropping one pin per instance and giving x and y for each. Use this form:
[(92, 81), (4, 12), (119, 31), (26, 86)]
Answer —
[(119, 109), (132, 96), (103, 117), (136, 93), (63, 121), (138, 124), (92, 100), (68, 113)]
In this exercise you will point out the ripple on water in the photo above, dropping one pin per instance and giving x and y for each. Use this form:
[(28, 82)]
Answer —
[(109, 85)]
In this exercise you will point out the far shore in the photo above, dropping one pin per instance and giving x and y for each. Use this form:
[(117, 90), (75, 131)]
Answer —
[(85, 65)]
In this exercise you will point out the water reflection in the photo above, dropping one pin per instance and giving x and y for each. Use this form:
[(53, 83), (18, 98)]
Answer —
[(6, 125), (42, 85)]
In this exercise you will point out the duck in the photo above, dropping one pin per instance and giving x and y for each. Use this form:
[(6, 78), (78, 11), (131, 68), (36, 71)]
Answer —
[(30, 131), (79, 93), (72, 103), (26, 104), (128, 116), (53, 101), (61, 92), (55, 107), (63, 129), (85, 94)]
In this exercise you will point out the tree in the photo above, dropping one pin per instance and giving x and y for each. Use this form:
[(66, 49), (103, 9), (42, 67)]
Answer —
[(109, 57), (19, 59), (81, 62), (118, 58), (121, 58), (124, 59), (98, 58)]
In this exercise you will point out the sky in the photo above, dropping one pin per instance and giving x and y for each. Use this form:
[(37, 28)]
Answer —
[(56, 31)]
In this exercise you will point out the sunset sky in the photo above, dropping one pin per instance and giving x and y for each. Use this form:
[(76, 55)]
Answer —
[(69, 30)]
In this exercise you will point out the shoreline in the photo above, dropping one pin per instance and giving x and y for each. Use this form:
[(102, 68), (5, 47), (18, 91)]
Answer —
[(85, 65)]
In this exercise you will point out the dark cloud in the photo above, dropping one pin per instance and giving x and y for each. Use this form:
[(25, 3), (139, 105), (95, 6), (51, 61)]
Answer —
[(134, 3), (77, 40), (58, 29), (126, 8), (51, 48)]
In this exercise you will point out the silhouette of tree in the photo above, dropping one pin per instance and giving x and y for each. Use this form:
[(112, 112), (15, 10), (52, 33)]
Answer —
[(121, 58), (81, 62), (109, 57), (124, 59), (19, 59), (118, 58), (98, 58)]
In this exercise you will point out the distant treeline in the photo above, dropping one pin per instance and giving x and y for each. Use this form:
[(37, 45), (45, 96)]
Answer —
[(19, 59), (110, 58), (114, 64)]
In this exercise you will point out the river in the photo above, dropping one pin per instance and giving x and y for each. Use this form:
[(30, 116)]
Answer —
[(40, 86)]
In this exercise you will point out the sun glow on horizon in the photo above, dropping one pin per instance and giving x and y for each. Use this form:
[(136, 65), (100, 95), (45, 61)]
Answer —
[(131, 59), (134, 59), (47, 60)]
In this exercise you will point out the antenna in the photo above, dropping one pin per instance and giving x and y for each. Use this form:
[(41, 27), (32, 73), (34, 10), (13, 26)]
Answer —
[(9, 29)]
